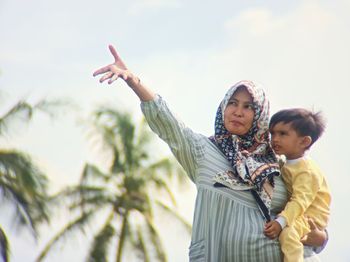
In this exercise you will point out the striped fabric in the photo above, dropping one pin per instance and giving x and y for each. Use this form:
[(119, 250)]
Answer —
[(227, 224)]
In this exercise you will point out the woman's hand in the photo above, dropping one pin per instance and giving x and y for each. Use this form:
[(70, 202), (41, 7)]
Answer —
[(119, 70), (272, 229), (114, 70), (316, 237)]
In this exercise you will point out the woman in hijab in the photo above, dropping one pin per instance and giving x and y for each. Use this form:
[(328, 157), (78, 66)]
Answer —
[(235, 171)]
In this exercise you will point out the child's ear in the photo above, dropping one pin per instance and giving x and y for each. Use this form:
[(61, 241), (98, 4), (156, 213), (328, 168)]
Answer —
[(306, 141)]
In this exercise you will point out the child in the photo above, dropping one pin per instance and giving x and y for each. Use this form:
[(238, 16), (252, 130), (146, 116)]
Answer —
[(293, 131)]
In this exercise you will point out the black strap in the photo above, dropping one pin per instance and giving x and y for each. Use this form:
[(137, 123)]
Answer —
[(261, 205)]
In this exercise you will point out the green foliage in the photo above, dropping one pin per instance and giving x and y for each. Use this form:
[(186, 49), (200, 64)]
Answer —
[(4, 246), (22, 185), (127, 191)]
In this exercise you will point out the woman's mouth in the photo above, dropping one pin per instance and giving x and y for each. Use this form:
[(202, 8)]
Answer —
[(237, 123)]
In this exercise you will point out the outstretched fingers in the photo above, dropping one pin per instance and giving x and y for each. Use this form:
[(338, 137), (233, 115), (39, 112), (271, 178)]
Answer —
[(117, 60), (113, 78), (106, 76), (113, 71), (114, 52), (102, 70)]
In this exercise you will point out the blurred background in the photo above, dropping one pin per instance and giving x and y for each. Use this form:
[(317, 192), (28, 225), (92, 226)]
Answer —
[(190, 52)]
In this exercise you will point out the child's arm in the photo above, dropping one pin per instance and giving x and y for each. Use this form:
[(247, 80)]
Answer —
[(305, 187)]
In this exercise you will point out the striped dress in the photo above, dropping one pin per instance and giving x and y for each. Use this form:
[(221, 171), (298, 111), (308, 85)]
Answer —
[(227, 224)]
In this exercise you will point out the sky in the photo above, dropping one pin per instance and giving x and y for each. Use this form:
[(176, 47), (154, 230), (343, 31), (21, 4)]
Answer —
[(190, 52)]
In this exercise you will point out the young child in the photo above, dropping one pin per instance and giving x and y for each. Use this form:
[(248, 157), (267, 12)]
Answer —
[(293, 131)]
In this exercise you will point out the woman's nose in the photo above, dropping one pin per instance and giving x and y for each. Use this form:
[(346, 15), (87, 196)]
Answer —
[(238, 111)]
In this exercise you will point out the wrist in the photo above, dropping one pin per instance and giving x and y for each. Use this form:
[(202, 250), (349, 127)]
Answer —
[(282, 221), (133, 81)]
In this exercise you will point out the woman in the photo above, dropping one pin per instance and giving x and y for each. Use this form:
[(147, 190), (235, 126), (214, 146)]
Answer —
[(233, 171)]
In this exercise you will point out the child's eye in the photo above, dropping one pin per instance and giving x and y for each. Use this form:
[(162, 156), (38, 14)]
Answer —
[(232, 102)]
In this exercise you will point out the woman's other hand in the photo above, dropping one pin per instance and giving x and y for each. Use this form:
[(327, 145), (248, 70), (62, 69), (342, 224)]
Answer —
[(316, 237)]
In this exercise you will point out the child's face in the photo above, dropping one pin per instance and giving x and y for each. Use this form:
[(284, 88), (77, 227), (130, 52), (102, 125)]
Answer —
[(286, 141)]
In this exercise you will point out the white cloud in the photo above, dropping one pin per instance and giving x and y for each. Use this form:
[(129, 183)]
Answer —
[(262, 21)]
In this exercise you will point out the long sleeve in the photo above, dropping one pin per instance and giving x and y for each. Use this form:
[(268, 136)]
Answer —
[(183, 142), (304, 185)]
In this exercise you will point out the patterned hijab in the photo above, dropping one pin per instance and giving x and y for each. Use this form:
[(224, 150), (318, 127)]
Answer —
[(251, 157)]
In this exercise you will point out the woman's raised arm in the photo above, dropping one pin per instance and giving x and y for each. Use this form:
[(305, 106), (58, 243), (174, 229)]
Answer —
[(117, 70)]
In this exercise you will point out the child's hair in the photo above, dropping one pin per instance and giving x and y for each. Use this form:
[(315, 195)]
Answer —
[(303, 121)]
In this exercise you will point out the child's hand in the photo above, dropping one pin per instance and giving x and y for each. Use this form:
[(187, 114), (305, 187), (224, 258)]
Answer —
[(272, 229)]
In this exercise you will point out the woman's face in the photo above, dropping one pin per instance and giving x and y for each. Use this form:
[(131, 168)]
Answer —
[(239, 112)]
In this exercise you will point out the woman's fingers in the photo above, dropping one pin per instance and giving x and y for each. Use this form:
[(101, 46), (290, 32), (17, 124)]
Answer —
[(106, 76), (113, 78), (112, 71), (102, 70), (113, 52), (118, 61)]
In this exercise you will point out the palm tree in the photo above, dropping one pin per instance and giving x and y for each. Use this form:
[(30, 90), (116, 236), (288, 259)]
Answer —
[(22, 184), (122, 195)]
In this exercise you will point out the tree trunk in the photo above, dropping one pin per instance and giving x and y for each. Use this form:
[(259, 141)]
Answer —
[(122, 238)]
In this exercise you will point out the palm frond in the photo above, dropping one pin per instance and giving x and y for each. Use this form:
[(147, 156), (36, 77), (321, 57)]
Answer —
[(20, 203), (24, 186), (99, 248), (15, 166), (4, 246), (159, 180), (92, 201), (104, 136), (124, 232), (176, 215), (163, 164), (141, 245), (78, 223), (120, 127), (21, 110), (55, 107), (140, 202), (161, 184), (93, 173), (155, 239), (82, 196), (144, 134)]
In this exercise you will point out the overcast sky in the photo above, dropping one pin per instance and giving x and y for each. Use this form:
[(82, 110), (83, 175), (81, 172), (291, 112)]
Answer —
[(190, 52)]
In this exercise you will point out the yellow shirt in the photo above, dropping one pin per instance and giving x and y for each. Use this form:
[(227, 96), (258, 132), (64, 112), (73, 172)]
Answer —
[(309, 192)]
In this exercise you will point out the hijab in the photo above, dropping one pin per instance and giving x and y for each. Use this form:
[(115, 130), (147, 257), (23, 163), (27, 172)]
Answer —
[(253, 162)]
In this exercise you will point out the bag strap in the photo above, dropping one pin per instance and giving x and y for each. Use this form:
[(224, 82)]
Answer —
[(261, 205)]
